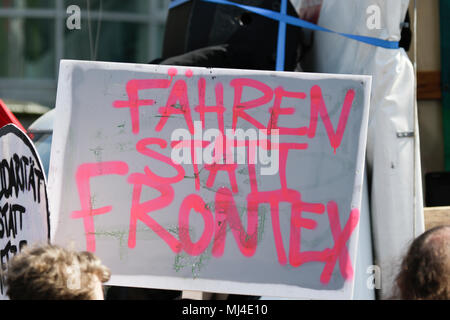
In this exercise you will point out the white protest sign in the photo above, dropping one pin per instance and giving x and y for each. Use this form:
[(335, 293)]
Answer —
[(146, 172), (24, 216)]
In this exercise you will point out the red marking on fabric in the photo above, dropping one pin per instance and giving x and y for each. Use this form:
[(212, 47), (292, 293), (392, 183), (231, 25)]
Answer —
[(177, 103), (318, 107), (172, 72), (195, 202), (239, 107), (227, 214), (276, 111), (189, 73), (219, 108), (274, 198), (141, 147), (133, 87), (339, 251), (140, 210), (83, 176)]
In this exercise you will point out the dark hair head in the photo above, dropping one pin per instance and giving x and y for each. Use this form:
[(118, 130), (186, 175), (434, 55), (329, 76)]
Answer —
[(425, 270)]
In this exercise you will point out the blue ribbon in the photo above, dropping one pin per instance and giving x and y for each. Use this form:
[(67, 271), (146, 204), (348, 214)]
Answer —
[(281, 44), (285, 19)]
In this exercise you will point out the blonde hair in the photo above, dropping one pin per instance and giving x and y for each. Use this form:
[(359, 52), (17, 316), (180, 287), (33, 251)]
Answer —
[(51, 272)]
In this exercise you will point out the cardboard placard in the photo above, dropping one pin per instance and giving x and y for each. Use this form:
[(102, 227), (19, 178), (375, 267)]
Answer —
[(144, 173), (24, 214)]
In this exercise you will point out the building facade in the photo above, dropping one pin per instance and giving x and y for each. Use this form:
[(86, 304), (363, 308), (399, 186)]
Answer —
[(36, 34)]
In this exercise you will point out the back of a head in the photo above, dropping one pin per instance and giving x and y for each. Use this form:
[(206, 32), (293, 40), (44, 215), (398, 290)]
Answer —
[(425, 270), (53, 273)]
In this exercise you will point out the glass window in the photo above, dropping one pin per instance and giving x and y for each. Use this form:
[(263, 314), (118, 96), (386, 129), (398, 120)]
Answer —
[(133, 6), (28, 4), (163, 4), (34, 37), (27, 48), (108, 41)]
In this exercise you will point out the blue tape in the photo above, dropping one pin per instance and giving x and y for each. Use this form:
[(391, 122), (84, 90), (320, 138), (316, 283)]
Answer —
[(176, 3), (281, 44), (285, 19)]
